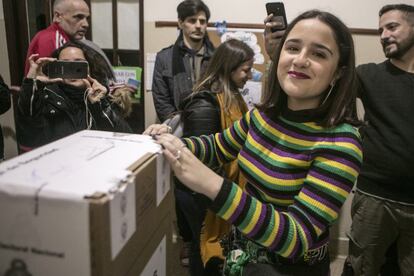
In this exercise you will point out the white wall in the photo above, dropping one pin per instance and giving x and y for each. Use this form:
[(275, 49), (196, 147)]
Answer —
[(356, 13), (6, 119)]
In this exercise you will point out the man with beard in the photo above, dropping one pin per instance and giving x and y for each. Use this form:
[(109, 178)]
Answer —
[(383, 207), (179, 66)]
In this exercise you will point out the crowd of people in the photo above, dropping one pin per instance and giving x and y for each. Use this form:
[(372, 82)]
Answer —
[(256, 190)]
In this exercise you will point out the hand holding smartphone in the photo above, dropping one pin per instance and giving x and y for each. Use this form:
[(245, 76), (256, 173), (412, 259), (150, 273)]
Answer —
[(279, 15)]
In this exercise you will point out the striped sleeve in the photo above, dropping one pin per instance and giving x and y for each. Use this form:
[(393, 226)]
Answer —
[(219, 148), (291, 233)]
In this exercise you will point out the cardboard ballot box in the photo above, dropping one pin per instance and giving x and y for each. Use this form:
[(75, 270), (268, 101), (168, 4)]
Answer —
[(88, 204)]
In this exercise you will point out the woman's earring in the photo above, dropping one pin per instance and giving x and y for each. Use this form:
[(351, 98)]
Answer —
[(329, 93)]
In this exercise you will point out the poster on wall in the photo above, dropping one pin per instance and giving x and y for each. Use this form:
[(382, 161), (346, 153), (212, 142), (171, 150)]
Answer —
[(130, 76)]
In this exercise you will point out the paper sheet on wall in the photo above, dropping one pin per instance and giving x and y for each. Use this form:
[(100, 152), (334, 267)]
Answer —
[(149, 72), (252, 92)]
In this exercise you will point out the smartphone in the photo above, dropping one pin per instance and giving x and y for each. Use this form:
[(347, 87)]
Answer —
[(67, 69), (279, 15)]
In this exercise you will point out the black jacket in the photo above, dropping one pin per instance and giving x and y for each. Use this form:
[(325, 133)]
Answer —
[(201, 114), (5, 103), (47, 114), (170, 90)]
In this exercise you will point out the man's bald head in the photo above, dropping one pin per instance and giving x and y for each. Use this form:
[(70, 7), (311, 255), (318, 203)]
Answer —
[(72, 16), (62, 5)]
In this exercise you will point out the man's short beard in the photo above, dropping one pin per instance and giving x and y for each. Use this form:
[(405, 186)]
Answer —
[(401, 48)]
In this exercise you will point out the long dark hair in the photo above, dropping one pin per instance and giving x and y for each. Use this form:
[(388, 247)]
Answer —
[(341, 104), (227, 58), (98, 68)]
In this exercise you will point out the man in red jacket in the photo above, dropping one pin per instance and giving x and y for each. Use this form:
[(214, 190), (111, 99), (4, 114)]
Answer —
[(70, 22)]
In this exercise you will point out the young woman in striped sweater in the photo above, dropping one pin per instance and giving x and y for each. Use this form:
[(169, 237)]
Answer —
[(300, 152)]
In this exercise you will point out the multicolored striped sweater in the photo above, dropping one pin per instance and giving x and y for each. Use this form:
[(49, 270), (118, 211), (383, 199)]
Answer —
[(299, 175)]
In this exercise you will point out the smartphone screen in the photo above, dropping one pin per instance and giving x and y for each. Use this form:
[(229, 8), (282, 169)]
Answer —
[(67, 69), (279, 15)]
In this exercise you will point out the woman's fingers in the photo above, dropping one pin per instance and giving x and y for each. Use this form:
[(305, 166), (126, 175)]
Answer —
[(191, 171), (157, 129), (268, 18), (172, 144), (87, 83), (44, 60), (32, 58), (92, 80)]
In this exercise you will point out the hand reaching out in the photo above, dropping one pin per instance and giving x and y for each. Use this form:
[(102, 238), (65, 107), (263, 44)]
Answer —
[(188, 169)]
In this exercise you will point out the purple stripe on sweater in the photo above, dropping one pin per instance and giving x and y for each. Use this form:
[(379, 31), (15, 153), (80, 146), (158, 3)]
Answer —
[(317, 223), (306, 230), (258, 165), (225, 144), (322, 137), (330, 180), (308, 236), (341, 160), (260, 221), (279, 230), (320, 199), (244, 125), (236, 138), (295, 248), (309, 138), (239, 208), (277, 126), (203, 146), (276, 194), (259, 140)]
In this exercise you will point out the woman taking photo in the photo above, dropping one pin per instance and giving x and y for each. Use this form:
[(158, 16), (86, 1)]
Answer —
[(49, 109), (299, 151)]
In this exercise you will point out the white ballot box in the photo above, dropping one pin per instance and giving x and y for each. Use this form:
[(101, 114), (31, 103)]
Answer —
[(93, 203)]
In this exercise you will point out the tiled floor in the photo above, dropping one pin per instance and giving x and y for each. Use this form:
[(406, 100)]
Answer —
[(178, 270)]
